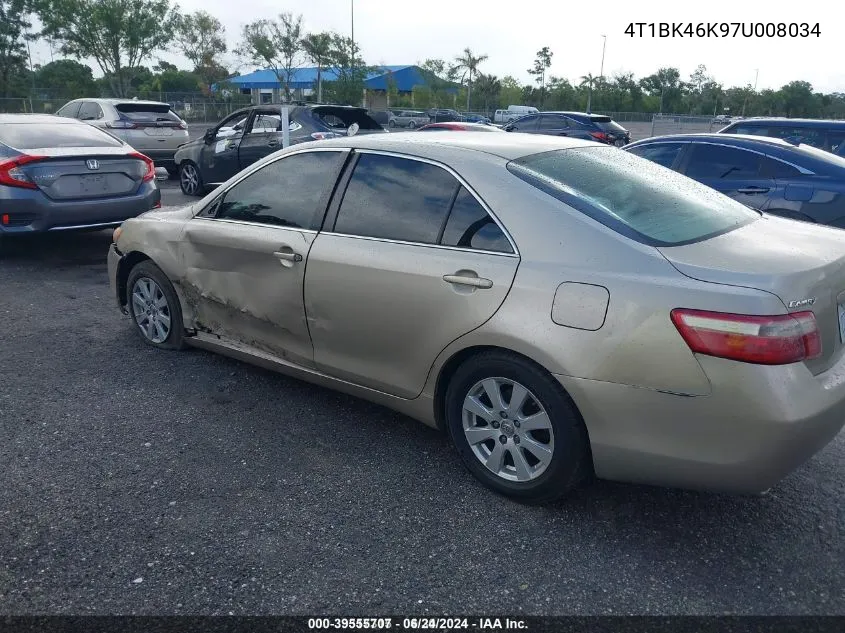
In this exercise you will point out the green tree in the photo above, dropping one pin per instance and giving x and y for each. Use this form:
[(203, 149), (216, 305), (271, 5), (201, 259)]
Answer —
[(14, 27), (202, 39), (436, 74), (466, 66), (318, 47), (542, 62), (278, 45), (510, 93), (118, 34), (667, 85), (349, 69), (488, 87), (68, 79)]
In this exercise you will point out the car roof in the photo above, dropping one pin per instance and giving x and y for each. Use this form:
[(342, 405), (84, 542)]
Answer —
[(570, 113), (38, 118), (788, 121), (507, 146), (119, 101)]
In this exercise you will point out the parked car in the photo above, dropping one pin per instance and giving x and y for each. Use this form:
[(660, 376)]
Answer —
[(436, 115), (513, 112), (799, 182), (459, 127), (58, 174), (591, 127), (826, 135), (151, 127), (477, 118), (559, 307), (408, 118), (254, 132)]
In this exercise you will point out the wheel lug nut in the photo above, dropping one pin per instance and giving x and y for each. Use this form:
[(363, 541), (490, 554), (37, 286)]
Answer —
[(495, 425), (516, 423), (503, 414), (503, 439), (516, 439)]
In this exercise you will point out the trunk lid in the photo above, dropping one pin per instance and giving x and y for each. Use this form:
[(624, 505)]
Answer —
[(72, 176), (796, 261)]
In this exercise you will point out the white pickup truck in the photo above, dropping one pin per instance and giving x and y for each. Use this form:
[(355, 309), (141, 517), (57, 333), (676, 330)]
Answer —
[(513, 112)]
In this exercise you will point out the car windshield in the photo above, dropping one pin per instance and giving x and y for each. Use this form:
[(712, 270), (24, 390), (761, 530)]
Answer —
[(632, 195), (42, 135)]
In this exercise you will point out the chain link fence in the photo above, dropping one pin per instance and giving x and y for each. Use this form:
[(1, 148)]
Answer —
[(662, 124)]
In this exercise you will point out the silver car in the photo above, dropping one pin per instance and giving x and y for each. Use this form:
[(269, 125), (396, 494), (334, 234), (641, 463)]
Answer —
[(408, 118), (151, 127), (559, 307)]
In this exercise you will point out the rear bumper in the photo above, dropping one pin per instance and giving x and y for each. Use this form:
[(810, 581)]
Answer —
[(32, 212), (757, 426), (161, 157)]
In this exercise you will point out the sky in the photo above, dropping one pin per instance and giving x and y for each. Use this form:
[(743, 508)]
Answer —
[(393, 32)]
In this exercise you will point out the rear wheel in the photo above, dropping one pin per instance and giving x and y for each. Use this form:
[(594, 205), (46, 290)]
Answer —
[(515, 428), (412, 125), (190, 180), (154, 307), (391, 123)]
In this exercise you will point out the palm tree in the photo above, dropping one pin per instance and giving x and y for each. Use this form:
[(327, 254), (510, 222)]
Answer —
[(489, 87), (587, 80), (318, 47), (467, 67)]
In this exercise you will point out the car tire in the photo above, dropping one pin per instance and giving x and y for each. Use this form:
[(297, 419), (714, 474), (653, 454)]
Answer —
[(412, 125), (554, 455), (391, 123), (154, 307), (190, 179)]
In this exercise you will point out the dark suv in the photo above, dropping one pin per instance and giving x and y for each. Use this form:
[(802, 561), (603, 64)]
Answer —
[(438, 115), (826, 135), (592, 127)]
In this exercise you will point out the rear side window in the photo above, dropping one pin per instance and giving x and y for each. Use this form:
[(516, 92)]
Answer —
[(37, 135), (750, 130), (396, 198), (661, 153), (344, 117), (470, 226), (286, 192), (147, 112), (632, 196), (552, 122), (525, 124), (90, 111), (718, 162)]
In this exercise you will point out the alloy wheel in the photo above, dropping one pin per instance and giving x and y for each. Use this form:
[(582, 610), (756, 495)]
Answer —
[(189, 179), (151, 310), (508, 429)]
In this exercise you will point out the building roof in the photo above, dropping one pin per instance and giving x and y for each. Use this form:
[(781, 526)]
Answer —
[(405, 77)]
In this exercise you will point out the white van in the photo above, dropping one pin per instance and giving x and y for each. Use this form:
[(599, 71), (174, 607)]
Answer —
[(513, 112)]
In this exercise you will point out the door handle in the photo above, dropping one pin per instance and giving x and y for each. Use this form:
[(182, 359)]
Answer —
[(462, 280), (272, 143), (753, 190), (288, 257)]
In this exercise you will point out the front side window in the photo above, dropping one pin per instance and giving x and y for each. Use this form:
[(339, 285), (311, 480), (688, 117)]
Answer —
[(396, 198), (525, 124), (71, 110), (90, 111), (661, 153), (633, 196), (552, 122), (718, 162), (804, 135), (286, 192)]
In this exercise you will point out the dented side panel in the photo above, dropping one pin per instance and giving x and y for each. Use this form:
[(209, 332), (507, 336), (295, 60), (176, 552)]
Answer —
[(244, 282)]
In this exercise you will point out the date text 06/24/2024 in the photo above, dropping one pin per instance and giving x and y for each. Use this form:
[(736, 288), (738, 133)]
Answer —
[(723, 29)]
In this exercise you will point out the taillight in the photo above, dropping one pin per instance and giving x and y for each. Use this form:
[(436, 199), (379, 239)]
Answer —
[(183, 125), (763, 340), (600, 136), (120, 124), (12, 175), (150, 174)]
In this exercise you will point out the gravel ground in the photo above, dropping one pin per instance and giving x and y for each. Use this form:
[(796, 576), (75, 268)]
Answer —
[(135, 481)]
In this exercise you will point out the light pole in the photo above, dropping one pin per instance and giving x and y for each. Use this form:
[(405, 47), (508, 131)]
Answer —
[(352, 5), (604, 44), (745, 101), (600, 77)]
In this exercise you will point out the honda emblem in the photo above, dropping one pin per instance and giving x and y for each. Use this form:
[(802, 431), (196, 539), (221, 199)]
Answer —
[(92, 163)]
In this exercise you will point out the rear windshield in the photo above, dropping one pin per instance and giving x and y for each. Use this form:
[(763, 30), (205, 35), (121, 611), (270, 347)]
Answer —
[(49, 135), (607, 124), (342, 118), (147, 112), (633, 196)]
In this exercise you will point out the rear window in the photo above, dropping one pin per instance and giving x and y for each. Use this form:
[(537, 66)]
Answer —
[(338, 118), (606, 124), (37, 135), (147, 112), (633, 196)]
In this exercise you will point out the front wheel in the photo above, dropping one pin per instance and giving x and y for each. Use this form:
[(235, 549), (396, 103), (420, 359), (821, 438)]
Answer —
[(154, 307), (515, 428), (190, 180), (391, 123), (412, 125)]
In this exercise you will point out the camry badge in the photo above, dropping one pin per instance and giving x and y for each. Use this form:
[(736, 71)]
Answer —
[(92, 163), (800, 303)]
